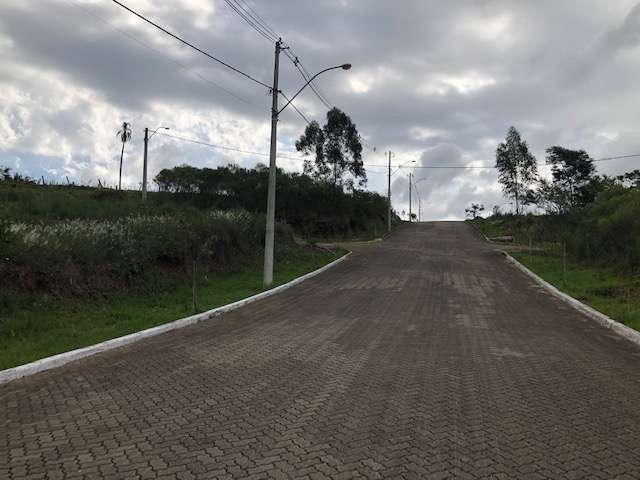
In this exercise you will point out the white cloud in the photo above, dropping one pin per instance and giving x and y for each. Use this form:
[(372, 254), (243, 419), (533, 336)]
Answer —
[(439, 82)]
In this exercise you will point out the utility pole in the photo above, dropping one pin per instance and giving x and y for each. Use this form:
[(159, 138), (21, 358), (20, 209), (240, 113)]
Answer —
[(389, 153), (271, 194), (144, 165), (410, 220)]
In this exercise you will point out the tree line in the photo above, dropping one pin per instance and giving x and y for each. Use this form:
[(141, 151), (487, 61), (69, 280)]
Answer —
[(574, 183), (312, 206), (596, 218)]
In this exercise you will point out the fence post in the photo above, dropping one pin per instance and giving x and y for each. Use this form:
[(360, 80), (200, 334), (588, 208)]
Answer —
[(564, 262), (194, 285)]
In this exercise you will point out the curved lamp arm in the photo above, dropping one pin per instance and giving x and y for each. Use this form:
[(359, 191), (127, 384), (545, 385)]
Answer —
[(156, 130), (345, 66), (398, 168)]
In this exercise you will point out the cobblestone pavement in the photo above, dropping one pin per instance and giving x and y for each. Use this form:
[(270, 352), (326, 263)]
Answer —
[(425, 356)]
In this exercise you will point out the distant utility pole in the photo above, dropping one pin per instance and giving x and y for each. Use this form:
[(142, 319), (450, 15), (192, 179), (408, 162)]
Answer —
[(144, 161), (389, 186), (389, 194), (144, 164), (410, 220), (415, 184)]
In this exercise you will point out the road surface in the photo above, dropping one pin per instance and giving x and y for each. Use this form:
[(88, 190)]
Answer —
[(425, 356)]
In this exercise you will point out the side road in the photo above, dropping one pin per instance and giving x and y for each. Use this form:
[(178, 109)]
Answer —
[(424, 356)]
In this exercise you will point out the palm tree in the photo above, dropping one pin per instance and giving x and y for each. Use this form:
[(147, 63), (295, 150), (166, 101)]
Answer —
[(124, 134)]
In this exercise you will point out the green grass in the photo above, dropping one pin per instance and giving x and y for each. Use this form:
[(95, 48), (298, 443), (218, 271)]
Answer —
[(611, 293), (491, 227), (34, 327)]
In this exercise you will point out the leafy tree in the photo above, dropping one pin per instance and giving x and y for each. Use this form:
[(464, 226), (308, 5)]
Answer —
[(336, 148), (517, 168), (5, 174), (124, 134), (313, 207), (572, 171), (474, 210), (631, 178), (550, 197)]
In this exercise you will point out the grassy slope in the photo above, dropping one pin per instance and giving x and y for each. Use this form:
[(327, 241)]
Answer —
[(39, 327), (606, 291), (609, 292)]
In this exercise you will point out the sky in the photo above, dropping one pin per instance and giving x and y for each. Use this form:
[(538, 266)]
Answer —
[(438, 83)]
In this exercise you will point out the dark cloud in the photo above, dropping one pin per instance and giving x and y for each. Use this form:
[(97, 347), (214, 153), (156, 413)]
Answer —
[(436, 82)]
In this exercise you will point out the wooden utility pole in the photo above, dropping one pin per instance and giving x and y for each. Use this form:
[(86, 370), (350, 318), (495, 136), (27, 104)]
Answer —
[(390, 154), (267, 278), (410, 218), (144, 165)]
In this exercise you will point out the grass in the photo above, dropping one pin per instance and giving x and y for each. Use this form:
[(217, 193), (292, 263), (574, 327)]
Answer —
[(490, 227), (611, 293), (34, 327)]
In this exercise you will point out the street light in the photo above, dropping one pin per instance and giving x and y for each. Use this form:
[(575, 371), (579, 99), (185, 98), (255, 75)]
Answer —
[(144, 163), (415, 184), (267, 278), (390, 154)]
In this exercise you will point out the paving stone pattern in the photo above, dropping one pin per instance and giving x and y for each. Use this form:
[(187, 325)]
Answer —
[(425, 356)]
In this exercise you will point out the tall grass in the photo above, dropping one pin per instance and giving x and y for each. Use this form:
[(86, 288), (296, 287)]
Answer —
[(88, 255)]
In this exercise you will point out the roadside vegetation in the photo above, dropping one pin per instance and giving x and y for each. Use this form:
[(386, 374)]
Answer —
[(37, 325), (583, 235), (80, 265)]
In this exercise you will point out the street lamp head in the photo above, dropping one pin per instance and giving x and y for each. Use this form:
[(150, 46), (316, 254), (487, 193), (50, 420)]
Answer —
[(346, 66)]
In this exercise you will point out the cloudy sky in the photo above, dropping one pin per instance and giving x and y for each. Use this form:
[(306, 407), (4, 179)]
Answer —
[(438, 82)]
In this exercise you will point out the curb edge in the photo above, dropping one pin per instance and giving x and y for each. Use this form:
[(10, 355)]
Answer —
[(607, 322), (61, 359)]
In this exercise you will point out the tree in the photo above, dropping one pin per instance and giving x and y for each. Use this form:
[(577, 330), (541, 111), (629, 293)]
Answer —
[(550, 197), (572, 171), (517, 168), (336, 148), (5, 174), (124, 134), (630, 178), (474, 210)]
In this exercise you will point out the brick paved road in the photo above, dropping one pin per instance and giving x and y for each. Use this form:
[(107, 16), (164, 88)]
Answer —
[(427, 356)]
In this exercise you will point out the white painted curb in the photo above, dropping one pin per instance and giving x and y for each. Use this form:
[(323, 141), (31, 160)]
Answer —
[(601, 318), (63, 358)]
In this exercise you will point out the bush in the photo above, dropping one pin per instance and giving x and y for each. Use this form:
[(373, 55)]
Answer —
[(86, 255)]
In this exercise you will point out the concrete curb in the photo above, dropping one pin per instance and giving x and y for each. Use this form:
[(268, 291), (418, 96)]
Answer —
[(60, 359), (619, 328)]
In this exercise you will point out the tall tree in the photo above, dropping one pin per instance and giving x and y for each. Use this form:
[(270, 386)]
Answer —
[(517, 168), (336, 148), (124, 134), (572, 171)]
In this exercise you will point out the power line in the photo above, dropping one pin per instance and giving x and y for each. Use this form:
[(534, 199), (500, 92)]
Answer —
[(252, 21), (616, 158), (315, 87), (295, 108), (259, 25), (296, 62), (491, 167), (257, 17), (163, 55), (224, 147), (238, 71), (289, 157)]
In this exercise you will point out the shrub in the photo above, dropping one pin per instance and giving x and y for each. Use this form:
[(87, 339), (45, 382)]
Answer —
[(79, 255)]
